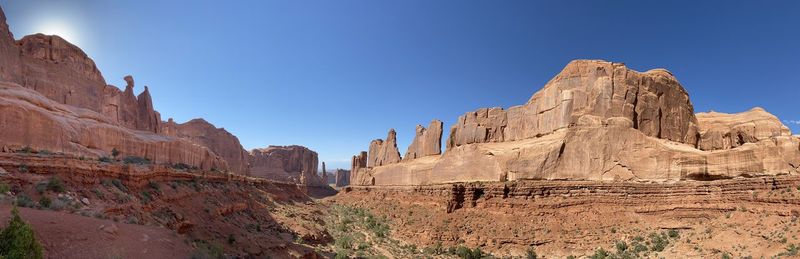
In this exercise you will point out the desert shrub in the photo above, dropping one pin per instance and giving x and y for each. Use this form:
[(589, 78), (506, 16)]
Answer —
[(154, 185), (105, 159), (26, 150), (17, 240), (672, 233), (726, 256), (114, 152), (621, 247), (181, 166), (23, 168), (136, 160), (791, 250), (342, 254), (45, 202), (207, 251), (658, 242), (55, 184), (344, 242), (98, 193), (117, 183), (58, 204), (531, 254), (40, 187), (601, 254), (25, 201), (4, 188), (146, 198)]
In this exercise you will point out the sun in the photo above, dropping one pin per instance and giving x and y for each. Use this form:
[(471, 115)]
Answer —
[(60, 28)]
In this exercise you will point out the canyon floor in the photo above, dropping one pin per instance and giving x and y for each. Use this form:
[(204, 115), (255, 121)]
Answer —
[(83, 208)]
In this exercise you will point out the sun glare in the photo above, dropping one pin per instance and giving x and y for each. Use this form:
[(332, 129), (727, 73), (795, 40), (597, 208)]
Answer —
[(60, 28)]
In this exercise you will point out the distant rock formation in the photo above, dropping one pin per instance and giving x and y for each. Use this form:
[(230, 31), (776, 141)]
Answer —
[(384, 152), (295, 164), (427, 142), (219, 140), (342, 177), (598, 120), (324, 174)]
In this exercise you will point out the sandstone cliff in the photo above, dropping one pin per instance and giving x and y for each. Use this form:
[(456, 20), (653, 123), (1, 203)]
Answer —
[(342, 178), (384, 152), (599, 120), (427, 142), (295, 164), (219, 140)]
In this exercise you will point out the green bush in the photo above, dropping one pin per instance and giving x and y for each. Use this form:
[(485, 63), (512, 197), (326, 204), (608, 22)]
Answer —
[(55, 184), (18, 240), (601, 254), (26, 150), (136, 160), (45, 202), (146, 197), (4, 188), (25, 201), (117, 183), (114, 152), (466, 253), (531, 254), (672, 233), (105, 159)]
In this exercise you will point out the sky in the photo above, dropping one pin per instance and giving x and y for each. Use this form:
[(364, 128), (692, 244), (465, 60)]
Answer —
[(333, 75)]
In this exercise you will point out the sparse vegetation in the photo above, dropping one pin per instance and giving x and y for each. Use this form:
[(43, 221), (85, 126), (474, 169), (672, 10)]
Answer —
[(114, 152), (45, 202), (24, 201), (55, 184), (136, 160), (105, 159), (117, 183), (26, 150), (207, 251), (17, 240), (4, 188)]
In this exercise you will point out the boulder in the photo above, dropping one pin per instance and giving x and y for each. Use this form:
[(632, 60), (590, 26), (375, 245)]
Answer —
[(427, 142)]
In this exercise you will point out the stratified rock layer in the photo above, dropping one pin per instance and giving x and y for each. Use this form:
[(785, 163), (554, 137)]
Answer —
[(296, 164), (598, 120), (342, 177), (219, 140)]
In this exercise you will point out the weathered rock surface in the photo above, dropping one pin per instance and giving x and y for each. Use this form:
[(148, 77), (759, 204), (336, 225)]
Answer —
[(384, 152), (719, 131), (295, 164), (427, 142), (29, 119), (654, 101), (357, 163), (342, 177), (598, 120), (219, 140)]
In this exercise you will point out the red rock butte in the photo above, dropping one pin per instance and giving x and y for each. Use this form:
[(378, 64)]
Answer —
[(595, 120), (53, 97)]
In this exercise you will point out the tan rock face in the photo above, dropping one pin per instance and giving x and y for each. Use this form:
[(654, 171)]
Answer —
[(342, 178), (10, 65), (219, 140), (358, 162), (427, 142), (383, 152), (29, 119), (656, 103), (720, 131), (600, 121), (295, 164)]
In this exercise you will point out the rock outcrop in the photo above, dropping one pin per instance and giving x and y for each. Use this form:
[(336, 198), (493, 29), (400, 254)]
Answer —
[(720, 131), (342, 177), (296, 164), (357, 163), (600, 121), (427, 142), (384, 152), (219, 140)]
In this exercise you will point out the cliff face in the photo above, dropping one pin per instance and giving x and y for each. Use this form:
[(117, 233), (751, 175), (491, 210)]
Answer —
[(598, 120), (219, 140), (286, 164), (53, 97)]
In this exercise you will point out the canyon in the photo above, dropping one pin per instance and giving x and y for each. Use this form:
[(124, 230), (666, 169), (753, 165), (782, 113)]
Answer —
[(602, 162)]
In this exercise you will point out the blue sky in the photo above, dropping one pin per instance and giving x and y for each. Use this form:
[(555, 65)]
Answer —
[(332, 75)]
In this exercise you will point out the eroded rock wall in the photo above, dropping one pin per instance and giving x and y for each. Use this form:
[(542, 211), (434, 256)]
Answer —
[(383, 152), (219, 140), (295, 164), (427, 142)]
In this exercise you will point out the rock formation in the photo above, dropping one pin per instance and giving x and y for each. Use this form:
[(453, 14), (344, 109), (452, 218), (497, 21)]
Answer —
[(599, 120), (427, 142), (53, 97), (296, 164), (384, 152), (342, 177), (219, 140), (324, 174), (357, 163)]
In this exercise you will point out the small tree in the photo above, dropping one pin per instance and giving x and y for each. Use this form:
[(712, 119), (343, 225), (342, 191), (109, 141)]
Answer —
[(18, 240), (114, 152)]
